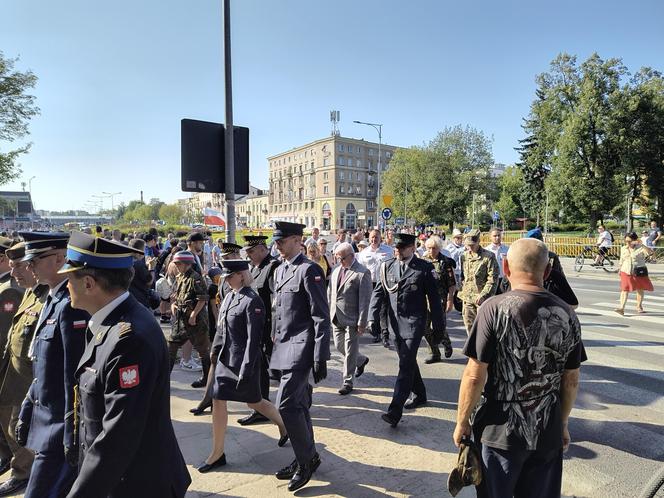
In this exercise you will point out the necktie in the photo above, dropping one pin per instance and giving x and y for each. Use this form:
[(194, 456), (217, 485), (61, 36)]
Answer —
[(342, 275)]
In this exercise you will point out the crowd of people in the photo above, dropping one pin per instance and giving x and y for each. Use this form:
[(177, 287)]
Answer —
[(85, 396)]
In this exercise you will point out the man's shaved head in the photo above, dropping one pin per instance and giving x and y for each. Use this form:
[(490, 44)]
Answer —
[(528, 256)]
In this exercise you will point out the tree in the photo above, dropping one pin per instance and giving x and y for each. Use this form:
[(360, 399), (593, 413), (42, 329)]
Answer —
[(17, 107), (438, 180), (510, 204), (171, 213)]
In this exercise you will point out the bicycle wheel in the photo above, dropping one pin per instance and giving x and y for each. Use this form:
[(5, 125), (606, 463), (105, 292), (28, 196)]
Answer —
[(578, 262), (608, 265)]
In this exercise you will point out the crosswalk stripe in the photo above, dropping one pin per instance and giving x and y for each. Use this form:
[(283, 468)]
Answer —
[(632, 336), (659, 320)]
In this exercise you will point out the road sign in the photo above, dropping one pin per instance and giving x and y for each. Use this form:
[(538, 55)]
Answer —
[(386, 213), (399, 221), (496, 215), (387, 200)]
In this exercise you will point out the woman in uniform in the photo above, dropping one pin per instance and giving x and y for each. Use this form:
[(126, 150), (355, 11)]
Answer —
[(237, 344)]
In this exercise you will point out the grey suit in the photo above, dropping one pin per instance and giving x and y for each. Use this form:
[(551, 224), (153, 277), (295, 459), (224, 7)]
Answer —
[(349, 307), (301, 334)]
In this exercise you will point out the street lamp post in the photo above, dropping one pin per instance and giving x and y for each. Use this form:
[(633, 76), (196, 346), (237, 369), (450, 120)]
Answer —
[(379, 128), (111, 195), (32, 204)]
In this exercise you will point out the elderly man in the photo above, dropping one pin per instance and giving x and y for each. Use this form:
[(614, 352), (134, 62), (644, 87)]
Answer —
[(524, 352), (455, 250), (349, 295), (371, 258), (480, 276), (408, 290)]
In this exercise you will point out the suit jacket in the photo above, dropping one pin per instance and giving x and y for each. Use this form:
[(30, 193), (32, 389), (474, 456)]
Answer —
[(239, 330), (300, 316), (349, 299), (127, 443), (55, 351), (16, 373), (10, 298), (263, 275), (406, 298)]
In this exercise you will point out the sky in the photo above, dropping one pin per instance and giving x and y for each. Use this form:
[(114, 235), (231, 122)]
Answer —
[(116, 78)]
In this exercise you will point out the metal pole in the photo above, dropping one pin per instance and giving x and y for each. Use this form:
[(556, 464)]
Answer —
[(472, 221), (546, 215), (229, 156), (628, 225), (405, 196), (380, 142)]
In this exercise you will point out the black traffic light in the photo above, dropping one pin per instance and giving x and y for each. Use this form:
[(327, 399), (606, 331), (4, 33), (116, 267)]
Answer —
[(202, 150)]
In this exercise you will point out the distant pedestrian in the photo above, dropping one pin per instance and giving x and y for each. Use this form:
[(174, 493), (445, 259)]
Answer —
[(499, 250), (524, 351), (633, 272), (654, 234)]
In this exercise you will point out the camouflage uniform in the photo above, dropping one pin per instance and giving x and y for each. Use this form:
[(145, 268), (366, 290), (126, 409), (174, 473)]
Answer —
[(445, 280), (480, 279), (189, 289)]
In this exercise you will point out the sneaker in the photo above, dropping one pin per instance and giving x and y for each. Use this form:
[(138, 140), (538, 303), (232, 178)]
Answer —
[(191, 366)]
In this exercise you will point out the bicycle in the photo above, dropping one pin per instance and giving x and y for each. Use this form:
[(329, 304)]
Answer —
[(590, 253)]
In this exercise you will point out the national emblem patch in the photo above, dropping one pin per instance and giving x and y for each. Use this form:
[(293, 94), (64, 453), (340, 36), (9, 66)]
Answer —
[(129, 376)]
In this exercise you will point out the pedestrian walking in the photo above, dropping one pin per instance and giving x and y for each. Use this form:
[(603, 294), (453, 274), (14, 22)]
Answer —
[(524, 351), (301, 338), (480, 277), (45, 422), (122, 415), (237, 345), (408, 290), (16, 367), (349, 296), (633, 272), (499, 250)]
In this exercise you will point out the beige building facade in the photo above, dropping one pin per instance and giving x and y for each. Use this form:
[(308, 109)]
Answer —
[(252, 211), (330, 183)]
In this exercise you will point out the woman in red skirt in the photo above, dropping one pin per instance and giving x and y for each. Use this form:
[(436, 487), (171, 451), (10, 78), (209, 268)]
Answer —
[(633, 272)]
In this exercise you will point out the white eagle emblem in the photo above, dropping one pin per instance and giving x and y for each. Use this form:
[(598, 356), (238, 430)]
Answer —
[(129, 376)]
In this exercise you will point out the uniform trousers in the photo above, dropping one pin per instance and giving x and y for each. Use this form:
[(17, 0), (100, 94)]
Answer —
[(384, 331), (409, 378), (265, 373), (51, 476), (347, 343), (5, 449), (469, 314), (520, 473), (294, 402), (21, 457)]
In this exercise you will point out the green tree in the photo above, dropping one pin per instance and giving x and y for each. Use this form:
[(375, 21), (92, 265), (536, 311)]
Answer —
[(510, 204), (438, 180), (17, 107), (171, 213)]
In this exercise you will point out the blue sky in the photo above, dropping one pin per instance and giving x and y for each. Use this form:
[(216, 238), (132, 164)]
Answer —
[(115, 78)]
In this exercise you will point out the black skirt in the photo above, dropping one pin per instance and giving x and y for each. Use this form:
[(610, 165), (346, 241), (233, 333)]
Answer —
[(225, 384)]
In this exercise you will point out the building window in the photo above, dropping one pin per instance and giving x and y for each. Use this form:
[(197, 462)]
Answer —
[(357, 190), (359, 176), (325, 176), (341, 161), (358, 163), (350, 161), (325, 161), (371, 152), (341, 175), (388, 153), (326, 189), (370, 204), (340, 147), (342, 190)]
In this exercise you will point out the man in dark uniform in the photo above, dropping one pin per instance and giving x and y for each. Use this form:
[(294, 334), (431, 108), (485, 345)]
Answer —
[(263, 266), (45, 422), (10, 297), (407, 284), (127, 443), (301, 334), (16, 367), (190, 312)]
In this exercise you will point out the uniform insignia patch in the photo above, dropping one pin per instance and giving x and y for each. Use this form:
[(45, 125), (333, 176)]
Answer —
[(317, 278), (8, 307), (258, 311), (125, 328), (129, 376), (80, 324), (50, 321)]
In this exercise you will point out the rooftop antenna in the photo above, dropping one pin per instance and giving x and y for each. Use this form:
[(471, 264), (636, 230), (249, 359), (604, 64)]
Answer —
[(335, 117)]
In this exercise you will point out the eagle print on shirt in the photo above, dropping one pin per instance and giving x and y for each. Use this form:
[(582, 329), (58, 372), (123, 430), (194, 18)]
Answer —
[(529, 363)]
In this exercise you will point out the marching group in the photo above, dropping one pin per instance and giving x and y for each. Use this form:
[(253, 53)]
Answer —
[(84, 399)]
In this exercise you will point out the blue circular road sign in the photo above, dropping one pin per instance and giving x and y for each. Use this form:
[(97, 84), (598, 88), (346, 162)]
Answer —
[(386, 213)]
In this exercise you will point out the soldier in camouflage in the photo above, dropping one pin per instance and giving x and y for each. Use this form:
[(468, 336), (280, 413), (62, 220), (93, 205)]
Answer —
[(480, 277)]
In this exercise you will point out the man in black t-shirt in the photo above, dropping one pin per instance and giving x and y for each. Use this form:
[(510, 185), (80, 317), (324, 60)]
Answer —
[(524, 353)]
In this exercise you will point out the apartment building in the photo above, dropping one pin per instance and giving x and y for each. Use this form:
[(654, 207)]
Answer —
[(330, 183)]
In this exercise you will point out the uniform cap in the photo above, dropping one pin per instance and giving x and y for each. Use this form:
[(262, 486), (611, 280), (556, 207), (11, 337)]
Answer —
[(285, 229), (5, 243), (184, 257), (37, 243), (254, 240), (87, 251), (404, 239), (17, 251), (230, 266), (472, 236), (229, 248)]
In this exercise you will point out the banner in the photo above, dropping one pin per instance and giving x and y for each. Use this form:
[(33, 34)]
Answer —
[(213, 217)]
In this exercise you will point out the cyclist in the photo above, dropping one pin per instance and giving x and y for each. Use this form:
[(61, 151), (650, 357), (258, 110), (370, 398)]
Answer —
[(604, 242)]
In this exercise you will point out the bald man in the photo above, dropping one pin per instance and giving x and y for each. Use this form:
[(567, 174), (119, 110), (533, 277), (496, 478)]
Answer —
[(524, 351)]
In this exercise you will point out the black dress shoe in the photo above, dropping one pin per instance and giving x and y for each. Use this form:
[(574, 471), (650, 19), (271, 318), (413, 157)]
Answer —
[(207, 467), (12, 485), (413, 403), (359, 370), (387, 418), (448, 350), (252, 419), (199, 383), (5, 463), (432, 359), (303, 474), (289, 471), (346, 389), (282, 441), (386, 342), (199, 410)]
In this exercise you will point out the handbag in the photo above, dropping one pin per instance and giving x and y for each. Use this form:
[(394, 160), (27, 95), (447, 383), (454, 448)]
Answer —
[(641, 271)]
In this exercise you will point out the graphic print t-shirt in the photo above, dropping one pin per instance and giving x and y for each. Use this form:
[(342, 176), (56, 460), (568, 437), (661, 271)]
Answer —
[(528, 339)]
